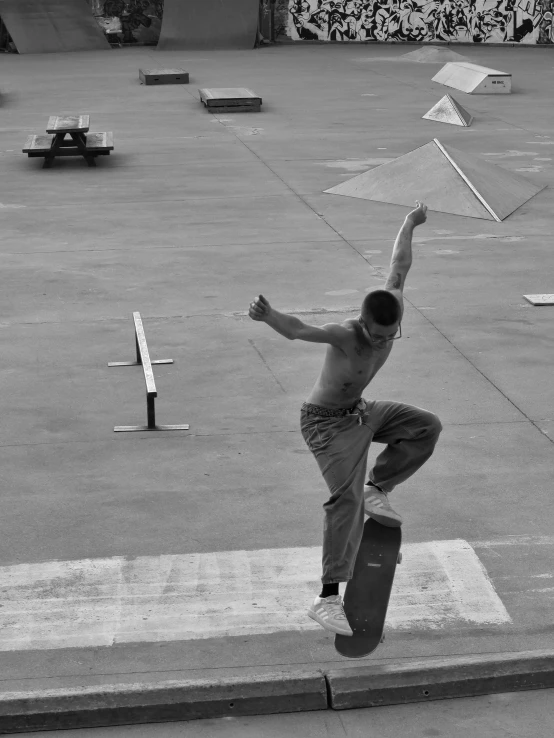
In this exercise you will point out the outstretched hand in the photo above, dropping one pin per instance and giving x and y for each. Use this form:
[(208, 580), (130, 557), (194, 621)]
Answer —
[(419, 215), (259, 308)]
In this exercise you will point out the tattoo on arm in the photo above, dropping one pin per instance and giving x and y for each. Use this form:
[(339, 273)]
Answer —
[(394, 281)]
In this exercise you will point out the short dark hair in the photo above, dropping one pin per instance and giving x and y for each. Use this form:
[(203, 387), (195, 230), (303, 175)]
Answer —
[(382, 307)]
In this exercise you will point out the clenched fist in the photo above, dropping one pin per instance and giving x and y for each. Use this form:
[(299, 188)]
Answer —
[(259, 308), (419, 215)]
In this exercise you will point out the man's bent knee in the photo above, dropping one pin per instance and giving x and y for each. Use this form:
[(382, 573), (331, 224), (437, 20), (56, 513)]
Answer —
[(431, 427), (435, 427), (436, 424)]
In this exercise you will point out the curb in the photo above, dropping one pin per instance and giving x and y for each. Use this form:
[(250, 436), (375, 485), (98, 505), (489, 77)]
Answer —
[(440, 678), (168, 701), (286, 691)]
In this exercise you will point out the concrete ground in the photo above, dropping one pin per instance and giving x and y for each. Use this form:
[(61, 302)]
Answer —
[(190, 217)]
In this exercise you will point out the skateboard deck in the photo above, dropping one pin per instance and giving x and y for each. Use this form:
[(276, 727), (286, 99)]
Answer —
[(367, 594)]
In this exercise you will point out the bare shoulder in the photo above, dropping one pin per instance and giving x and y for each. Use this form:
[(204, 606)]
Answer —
[(339, 335), (355, 332)]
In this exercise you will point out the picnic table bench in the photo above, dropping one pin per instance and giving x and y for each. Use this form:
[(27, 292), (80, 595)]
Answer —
[(79, 143)]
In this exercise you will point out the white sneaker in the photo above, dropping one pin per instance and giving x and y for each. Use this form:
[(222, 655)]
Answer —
[(329, 612), (377, 506)]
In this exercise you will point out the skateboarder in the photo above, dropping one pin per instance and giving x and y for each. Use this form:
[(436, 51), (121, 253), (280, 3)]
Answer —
[(338, 425)]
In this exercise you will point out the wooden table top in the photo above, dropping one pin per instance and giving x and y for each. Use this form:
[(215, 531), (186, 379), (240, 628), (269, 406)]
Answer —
[(70, 123)]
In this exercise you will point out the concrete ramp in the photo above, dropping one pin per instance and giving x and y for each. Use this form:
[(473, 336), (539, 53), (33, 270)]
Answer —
[(42, 26), (474, 79), (448, 110), (433, 55), (446, 180), (209, 24)]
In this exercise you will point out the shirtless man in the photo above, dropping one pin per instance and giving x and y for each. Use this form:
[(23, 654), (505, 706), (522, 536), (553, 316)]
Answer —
[(338, 425)]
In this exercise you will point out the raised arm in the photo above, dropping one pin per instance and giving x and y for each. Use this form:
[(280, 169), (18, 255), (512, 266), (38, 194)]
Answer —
[(293, 328), (401, 259)]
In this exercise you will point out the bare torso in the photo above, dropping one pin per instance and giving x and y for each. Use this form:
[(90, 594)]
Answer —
[(345, 374)]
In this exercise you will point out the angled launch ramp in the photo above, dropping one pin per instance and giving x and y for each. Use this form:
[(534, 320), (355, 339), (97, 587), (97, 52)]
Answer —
[(446, 180), (42, 26), (474, 79), (448, 110), (209, 24)]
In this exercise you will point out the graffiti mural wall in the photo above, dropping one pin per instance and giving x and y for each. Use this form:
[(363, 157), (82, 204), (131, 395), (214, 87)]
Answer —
[(476, 21), (129, 21)]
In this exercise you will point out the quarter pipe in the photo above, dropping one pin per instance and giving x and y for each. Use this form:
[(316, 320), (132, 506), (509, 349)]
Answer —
[(39, 26), (209, 24)]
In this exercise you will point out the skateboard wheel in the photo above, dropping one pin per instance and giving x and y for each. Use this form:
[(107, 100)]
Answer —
[(399, 559), (382, 638)]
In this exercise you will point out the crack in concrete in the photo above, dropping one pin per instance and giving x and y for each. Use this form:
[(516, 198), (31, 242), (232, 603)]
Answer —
[(251, 342), (487, 379)]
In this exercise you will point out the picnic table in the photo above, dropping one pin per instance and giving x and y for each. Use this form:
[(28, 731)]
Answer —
[(79, 143)]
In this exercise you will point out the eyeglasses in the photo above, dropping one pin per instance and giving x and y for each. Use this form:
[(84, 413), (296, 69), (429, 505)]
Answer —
[(381, 340)]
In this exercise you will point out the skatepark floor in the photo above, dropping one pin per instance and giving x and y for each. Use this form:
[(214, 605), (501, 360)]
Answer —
[(144, 557)]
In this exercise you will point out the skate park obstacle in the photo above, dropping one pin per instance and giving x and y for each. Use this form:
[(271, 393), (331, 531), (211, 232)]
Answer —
[(230, 100), (51, 26), (448, 110), (163, 77), (143, 359), (433, 55), (80, 142), (474, 79), (540, 299), (447, 180)]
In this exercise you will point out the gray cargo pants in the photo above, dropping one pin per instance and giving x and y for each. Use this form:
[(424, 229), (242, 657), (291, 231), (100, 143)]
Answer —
[(340, 440)]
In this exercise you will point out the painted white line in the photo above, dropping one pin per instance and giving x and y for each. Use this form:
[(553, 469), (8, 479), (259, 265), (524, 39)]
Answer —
[(458, 583), (101, 602), (516, 540)]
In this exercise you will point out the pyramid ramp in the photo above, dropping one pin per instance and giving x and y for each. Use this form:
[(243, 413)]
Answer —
[(44, 26), (448, 110), (433, 55), (473, 79), (446, 180)]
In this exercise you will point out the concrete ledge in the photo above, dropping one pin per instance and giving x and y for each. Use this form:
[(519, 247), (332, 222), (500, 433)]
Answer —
[(124, 704), (439, 678)]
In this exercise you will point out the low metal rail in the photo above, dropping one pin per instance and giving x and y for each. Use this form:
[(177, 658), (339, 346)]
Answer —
[(143, 359)]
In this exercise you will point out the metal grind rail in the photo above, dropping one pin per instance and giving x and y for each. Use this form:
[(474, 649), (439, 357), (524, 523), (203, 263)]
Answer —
[(143, 359)]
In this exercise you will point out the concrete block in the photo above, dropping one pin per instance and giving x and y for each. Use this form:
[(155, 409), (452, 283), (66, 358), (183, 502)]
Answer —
[(230, 99), (163, 76), (440, 678), (189, 699)]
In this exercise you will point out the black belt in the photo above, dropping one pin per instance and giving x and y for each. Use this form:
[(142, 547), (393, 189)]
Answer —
[(327, 411)]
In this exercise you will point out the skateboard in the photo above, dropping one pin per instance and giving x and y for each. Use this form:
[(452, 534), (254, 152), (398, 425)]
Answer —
[(367, 594)]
